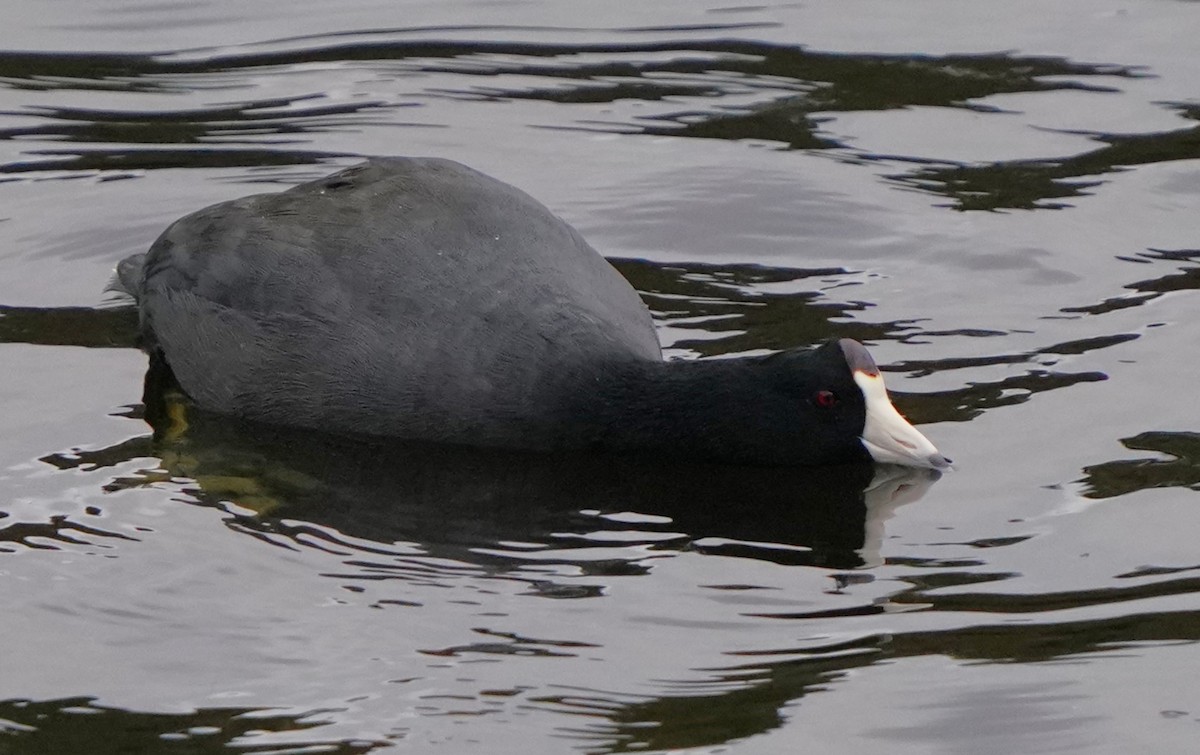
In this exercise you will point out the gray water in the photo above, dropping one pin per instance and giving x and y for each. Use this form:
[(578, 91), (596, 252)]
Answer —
[(1000, 198)]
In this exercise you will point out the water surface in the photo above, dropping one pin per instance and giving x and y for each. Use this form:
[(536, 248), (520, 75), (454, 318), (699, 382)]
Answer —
[(1000, 199)]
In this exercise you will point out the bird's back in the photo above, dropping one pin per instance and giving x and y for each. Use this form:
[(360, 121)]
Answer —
[(402, 296)]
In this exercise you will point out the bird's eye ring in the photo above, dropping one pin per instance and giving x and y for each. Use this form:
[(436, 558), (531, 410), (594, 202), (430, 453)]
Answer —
[(825, 399)]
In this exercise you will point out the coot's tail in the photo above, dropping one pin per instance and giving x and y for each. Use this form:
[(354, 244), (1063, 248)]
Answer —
[(127, 279)]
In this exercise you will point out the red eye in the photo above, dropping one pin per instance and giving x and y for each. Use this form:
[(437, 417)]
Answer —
[(825, 399)]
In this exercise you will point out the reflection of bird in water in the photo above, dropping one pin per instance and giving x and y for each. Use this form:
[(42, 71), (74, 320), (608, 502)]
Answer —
[(419, 299), (457, 502)]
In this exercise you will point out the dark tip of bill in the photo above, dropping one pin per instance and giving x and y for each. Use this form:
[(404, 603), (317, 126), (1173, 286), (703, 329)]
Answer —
[(858, 357)]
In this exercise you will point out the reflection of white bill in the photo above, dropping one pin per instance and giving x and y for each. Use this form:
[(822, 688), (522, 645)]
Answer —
[(892, 487)]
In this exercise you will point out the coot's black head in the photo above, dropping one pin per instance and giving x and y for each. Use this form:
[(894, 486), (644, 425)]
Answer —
[(842, 411)]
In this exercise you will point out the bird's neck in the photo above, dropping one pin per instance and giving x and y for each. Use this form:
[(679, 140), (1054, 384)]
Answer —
[(717, 409)]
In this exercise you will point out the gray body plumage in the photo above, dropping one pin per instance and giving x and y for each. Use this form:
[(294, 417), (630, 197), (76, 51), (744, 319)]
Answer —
[(411, 297)]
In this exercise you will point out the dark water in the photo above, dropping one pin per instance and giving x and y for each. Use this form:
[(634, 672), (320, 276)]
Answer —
[(1003, 199)]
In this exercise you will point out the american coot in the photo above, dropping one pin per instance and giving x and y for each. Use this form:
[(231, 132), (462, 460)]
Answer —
[(417, 298)]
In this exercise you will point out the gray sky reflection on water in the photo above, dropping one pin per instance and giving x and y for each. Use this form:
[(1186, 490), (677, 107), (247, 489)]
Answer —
[(999, 199)]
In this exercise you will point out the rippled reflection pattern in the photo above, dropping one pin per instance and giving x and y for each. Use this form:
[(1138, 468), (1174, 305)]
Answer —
[(1001, 203)]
